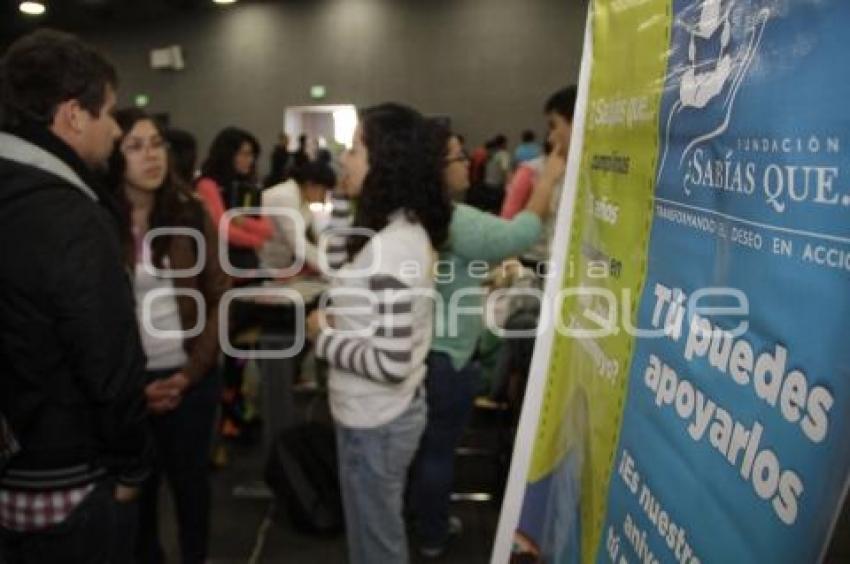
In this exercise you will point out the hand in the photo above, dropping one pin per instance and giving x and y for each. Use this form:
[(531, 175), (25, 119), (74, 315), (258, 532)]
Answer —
[(555, 165), (165, 395), (178, 381), (160, 398), (125, 494), (316, 322)]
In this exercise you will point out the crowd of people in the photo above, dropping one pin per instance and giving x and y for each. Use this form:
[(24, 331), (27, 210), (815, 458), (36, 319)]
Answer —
[(113, 373)]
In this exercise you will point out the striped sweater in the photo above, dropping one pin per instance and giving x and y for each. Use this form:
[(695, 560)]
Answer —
[(382, 314)]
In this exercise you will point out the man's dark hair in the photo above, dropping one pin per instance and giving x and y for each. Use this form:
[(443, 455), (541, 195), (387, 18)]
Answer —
[(497, 142), (316, 173), (42, 70), (528, 136), (562, 102)]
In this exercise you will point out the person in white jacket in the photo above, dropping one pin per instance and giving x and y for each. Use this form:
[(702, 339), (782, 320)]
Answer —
[(291, 237)]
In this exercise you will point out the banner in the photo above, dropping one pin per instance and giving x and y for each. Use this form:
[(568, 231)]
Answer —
[(689, 399)]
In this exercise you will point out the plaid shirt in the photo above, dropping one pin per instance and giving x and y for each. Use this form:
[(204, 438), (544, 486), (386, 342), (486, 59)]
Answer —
[(35, 511)]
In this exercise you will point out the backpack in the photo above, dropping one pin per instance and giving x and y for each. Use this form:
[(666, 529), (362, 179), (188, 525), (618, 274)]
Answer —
[(303, 472), (9, 446)]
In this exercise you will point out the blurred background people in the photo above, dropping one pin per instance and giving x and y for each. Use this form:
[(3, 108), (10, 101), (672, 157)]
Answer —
[(528, 149), (281, 162), (498, 164), (309, 185), (301, 156)]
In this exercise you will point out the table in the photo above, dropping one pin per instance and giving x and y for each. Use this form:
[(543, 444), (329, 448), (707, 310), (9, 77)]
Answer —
[(277, 375)]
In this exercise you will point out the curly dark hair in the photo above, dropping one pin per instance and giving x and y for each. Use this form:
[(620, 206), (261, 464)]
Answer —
[(42, 70), (175, 204), (406, 160), (219, 162), (184, 149)]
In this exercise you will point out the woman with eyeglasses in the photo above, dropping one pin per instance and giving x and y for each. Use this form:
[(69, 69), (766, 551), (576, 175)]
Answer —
[(171, 250), (453, 379)]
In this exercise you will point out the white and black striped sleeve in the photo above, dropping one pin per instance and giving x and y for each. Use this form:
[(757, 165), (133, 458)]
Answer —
[(341, 218), (387, 355)]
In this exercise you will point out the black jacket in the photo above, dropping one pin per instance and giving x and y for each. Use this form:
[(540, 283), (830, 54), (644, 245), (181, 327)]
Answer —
[(71, 362)]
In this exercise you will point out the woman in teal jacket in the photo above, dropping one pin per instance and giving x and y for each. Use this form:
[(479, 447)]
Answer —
[(475, 238)]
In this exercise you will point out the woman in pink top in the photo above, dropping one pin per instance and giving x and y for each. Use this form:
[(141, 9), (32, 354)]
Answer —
[(228, 181), (520, 187)]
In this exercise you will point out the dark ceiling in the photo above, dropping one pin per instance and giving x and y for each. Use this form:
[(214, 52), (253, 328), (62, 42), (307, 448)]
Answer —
[(82, 15)]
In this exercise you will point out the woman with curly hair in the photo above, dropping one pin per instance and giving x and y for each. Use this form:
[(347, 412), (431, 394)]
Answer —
[(377, 335)]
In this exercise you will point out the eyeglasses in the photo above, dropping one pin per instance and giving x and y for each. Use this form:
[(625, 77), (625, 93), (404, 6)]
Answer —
[(138, 146)]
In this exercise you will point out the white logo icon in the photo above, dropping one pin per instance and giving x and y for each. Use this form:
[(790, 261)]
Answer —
[(700, 86), (717, 63)]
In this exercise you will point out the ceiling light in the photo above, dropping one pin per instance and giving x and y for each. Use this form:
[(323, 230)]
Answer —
[(32, 8), (224, 1)]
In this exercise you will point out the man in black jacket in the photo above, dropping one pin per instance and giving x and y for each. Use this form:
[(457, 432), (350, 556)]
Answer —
[(71, 363)]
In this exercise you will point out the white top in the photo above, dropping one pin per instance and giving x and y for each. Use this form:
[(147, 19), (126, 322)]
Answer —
[(374, 375), (497, 168), (279, 251), (160, 327)]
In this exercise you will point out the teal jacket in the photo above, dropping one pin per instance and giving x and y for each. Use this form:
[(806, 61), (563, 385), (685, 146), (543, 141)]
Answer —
[(474, 235)]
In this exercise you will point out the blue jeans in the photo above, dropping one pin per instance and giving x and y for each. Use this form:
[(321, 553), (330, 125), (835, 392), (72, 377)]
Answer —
[(451, 398), (373, 465)]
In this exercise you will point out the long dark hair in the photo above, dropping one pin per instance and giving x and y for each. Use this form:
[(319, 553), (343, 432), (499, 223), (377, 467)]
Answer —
[(219, 163), (406, 159), (183, 147), (174, 203)]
